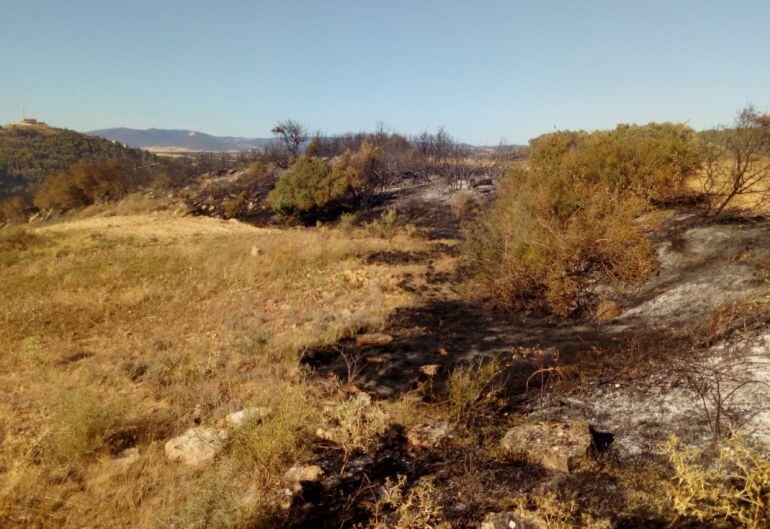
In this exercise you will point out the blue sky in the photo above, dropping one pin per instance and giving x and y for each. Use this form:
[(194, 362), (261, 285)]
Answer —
[(483, 69)]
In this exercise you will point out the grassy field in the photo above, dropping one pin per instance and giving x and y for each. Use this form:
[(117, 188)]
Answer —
[(123, 331)]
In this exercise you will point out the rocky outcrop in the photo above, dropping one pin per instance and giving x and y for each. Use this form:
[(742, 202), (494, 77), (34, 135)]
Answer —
[(558, 446)]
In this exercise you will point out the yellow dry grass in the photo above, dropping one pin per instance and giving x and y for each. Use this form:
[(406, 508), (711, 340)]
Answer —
[(151, 322)]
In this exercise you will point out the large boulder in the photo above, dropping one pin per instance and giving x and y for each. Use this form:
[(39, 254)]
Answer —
[(196, 446), (559, 446)]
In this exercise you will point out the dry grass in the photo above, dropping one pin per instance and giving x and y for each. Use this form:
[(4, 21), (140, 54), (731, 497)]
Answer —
[(120, 331)]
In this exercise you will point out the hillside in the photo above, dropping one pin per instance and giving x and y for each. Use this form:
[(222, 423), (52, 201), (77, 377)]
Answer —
[(30, 153), (159, 139)]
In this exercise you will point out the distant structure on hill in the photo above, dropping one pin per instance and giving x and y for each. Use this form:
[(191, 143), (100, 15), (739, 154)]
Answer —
[(26, 122)]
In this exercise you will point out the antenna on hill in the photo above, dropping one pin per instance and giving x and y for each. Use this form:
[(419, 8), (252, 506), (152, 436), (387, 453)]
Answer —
[(23, 113)]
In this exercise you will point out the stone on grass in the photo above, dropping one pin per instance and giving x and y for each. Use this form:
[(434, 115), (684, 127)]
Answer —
[(126, 457), (511, 520), (373, 339), (300, 473), (558, 446), (237, 418), (429, 435), (196, 446), (430, 370)]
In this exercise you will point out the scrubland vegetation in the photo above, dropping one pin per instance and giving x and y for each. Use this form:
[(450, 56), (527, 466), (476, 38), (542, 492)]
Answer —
[(127, 321)]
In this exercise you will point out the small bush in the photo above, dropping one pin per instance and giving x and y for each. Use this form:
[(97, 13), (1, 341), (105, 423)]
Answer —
[(384, 227), (303, 190), (732, 484), (14, 210), (466, 204), (347, 222), (311, 190), (416, 508), (472, 385), (83, 420)]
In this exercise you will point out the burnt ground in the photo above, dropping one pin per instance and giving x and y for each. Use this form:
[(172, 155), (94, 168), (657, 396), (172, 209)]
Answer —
[(615, 374)]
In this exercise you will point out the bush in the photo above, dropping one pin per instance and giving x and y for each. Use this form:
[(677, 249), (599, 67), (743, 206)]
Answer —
[(651, 161), (15, 209), (83, 184), (471, 387), (310, 190), (570, 219), (302, 190), (385, 226), (83, 420), (732, 484)]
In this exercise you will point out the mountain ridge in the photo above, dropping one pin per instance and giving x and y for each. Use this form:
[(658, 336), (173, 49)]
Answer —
[(155, 138)]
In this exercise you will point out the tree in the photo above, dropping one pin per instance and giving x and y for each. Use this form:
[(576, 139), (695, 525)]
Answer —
[(737, 160), (291, 135)]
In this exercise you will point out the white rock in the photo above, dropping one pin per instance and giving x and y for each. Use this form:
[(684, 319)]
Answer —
[(237, 418), (195, 446)]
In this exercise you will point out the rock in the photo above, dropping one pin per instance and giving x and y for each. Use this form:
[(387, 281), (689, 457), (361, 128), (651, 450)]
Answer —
[(373, 339), (364, 398), (300, 473), (607, 310), (430, 370), (558, 446), (511, 520), (237, 418), (196, 446), (429, 435), (126, 457), (326, 434), (255, 251)]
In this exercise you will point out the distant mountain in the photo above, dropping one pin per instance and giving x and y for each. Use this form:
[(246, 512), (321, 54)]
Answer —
[(189, 140), (31, 151)]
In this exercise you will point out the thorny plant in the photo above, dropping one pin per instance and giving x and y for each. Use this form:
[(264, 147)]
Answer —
[(718, 381)]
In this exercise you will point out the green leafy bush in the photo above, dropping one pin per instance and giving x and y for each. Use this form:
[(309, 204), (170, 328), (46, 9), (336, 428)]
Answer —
[(310, 189)]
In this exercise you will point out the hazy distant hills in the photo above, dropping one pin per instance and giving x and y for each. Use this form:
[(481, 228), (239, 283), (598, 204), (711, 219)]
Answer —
[(189, 140)]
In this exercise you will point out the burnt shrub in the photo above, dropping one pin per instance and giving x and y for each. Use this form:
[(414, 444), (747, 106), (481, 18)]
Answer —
[(83, 184), (570, 218)]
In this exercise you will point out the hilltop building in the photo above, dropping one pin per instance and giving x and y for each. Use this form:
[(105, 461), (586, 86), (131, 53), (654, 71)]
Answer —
[(30, 122)]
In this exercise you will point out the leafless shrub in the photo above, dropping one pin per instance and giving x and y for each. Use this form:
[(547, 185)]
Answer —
[(718, 379), (737, 161)]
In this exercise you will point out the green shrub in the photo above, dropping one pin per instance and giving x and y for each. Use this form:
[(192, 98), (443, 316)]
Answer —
[(311, 190), (384, 227), (472, 385), (302, 189)]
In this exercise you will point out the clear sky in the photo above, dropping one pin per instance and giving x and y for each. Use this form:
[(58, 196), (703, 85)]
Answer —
[(484, 69)]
